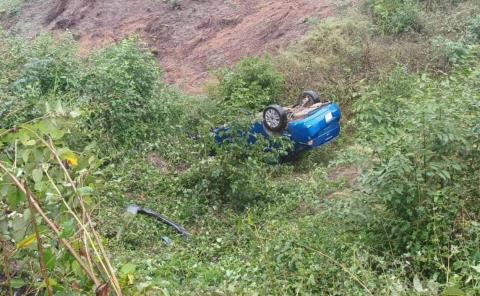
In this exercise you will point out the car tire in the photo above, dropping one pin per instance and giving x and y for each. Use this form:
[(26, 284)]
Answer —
[(275, 118), (311, 97)]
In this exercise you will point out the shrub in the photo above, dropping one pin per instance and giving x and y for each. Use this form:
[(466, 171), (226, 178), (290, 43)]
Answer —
[(49, 205), (378, 110), (124, 95), (32, 74), (396, 16), (251, 85), (425, 145), (236, 170), (452, 51), (51, 67), (457, 51), (10, 8), (473, 31)]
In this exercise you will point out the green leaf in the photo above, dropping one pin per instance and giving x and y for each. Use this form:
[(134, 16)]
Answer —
[(37, 175), (58, 108), (77, 270), (45, 126), (57, 134), (17, 283), (50, 260), (38, 155), (14, 197), (4, 190), (75, 113), (27, 215), (417, 285), (19, 227), (29, 142), (476, 268), (68, 229), (25, 155), (127, 269), (85, 191), (453, 291), (51, 282)]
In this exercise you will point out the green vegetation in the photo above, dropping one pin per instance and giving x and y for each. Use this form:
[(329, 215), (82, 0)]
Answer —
[(389, 209), (10, 8), (395, 17), (251, 85)]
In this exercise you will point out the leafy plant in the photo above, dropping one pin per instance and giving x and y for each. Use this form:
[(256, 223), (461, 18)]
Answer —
[(473, 31), (426, 163), (10, 8), (126, 100), (251, 85), (236, 170), (47, 190), (396, 16), (51, 67), (32, 74)]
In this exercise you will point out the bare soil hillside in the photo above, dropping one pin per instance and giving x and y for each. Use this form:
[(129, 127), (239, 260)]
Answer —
[(189, 38)]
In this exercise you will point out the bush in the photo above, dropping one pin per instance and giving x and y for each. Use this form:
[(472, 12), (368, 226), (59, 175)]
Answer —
[(396, 16), (237, 170), (425, 143), (473, 31), (452, 51), (457, 51), (33, 74), (251, 85), (125, 97), (10, 8), (52, 67)]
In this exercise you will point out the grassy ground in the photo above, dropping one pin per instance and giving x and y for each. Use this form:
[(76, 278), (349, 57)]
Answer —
[(284, 245)]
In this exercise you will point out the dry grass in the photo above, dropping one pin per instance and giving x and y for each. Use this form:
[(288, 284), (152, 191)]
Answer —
[(341, 54)]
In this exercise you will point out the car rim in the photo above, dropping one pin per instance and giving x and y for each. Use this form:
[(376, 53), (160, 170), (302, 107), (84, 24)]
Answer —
[(272, 118)]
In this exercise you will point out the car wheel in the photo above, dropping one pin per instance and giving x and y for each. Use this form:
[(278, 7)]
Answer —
[(308, 98), (275, 118)]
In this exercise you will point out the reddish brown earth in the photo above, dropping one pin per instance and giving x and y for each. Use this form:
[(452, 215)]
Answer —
[(190, 40)]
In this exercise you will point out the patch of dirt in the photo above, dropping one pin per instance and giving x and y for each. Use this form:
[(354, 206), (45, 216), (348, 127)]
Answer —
[(349, 174), (164, 166), (159, 163), (189, 40)]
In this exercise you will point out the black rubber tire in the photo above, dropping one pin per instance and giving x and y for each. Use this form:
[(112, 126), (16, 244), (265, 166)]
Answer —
[(313, 98), (275, 118)]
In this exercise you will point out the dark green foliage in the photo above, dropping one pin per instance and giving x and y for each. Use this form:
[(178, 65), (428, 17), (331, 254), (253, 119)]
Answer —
[(51, 68), (32, 74), (473, 31), (251, 85), (458, 51), (125, 96), (126, 101), (425, 140), (235, 172), (396, 16)]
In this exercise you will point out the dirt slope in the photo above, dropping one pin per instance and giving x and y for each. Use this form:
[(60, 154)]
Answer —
[(190, 40)]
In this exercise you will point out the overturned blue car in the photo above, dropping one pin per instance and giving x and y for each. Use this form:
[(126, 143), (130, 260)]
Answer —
[(309, 124)]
